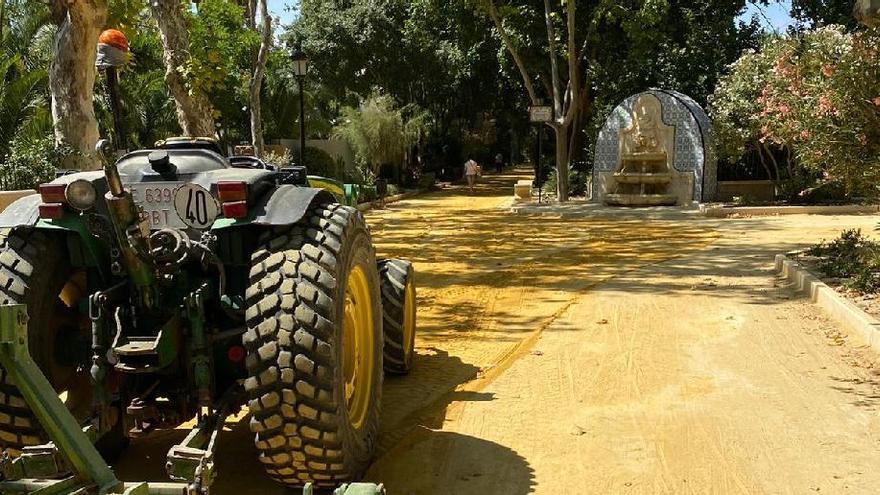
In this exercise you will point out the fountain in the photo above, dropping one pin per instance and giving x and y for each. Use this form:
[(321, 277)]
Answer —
[(655, 149), (645, 172)]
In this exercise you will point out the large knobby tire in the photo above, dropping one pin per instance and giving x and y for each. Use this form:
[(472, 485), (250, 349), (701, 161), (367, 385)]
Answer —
[(399, 314), (313, 300), (33, 270)]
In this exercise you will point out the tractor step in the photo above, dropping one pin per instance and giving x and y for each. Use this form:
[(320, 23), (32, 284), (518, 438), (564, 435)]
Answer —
[(139, 346), (145, 354)]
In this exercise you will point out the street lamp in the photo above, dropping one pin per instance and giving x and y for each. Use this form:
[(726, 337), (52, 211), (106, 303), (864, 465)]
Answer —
[(300, 68)]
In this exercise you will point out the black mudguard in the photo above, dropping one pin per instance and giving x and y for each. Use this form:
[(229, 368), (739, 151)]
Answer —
[(23, 212), (287, 205)]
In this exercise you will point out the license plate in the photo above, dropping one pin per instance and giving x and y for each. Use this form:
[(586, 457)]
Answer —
[(156, 200)]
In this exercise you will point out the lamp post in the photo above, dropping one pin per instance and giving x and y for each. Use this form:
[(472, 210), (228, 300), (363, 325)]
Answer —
[(300, 68)]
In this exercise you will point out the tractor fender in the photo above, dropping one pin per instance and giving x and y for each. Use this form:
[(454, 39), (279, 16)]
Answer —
[(23, 212), (287, 205)]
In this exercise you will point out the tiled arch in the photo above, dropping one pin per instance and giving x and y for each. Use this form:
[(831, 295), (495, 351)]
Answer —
[(694, 141)]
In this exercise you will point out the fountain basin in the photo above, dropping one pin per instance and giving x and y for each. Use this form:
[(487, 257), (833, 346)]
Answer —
[(642, 178), (641, 199)]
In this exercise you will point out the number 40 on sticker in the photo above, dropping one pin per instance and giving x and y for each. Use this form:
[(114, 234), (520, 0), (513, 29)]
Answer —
[(195, 206)]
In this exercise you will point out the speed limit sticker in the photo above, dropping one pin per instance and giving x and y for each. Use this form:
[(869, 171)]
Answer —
[(195, 206)]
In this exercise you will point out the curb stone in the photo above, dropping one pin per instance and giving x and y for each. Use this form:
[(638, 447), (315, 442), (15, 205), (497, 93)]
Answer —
[(727, 211), (837, 306), (365, 207)]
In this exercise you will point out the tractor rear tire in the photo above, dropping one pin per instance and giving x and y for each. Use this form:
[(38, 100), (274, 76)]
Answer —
[(399, 314), (314, 344), (33, 271)]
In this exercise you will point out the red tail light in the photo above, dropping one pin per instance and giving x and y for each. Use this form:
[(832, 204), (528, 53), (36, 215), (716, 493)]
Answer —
[(229, 191), (237, 209), (236, 354), (52, 211), (53, 193)]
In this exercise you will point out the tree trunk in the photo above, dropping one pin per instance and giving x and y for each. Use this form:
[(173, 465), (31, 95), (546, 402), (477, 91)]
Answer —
[(251, 14), (257, 80), (562, 161), (194, 111), (2, 17), (72, 76)]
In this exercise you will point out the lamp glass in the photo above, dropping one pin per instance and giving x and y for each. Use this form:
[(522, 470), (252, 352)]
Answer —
[(300, 66), (300, 63)]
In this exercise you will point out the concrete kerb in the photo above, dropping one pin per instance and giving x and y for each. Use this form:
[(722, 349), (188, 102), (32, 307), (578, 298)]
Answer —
[(721, 211), (586, 209), (837, 306), (365, 207)]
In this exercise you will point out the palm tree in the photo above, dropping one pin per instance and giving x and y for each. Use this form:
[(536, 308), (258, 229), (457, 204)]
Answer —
[(25, 49), (24, 112)]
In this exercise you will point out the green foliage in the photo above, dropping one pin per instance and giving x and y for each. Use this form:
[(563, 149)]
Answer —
[(278, 159), (815, 93), (579, 181), (34, 162), (22, 101), (812, 13), (378, 132), (319, 162), (735, 107), (852, 257), (222, 53), (25, 41), (435, 55)]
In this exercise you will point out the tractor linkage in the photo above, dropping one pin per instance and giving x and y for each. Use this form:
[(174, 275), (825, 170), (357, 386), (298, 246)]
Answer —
[(71, 465)]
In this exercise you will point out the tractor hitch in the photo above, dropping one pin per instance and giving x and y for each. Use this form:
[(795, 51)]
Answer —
[(72, 459)]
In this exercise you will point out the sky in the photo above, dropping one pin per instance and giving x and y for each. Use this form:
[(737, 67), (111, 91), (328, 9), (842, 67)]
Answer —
[(280, 9), (774, 17)]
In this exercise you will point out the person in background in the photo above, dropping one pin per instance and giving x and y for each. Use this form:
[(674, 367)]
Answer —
[(471, 171), (499, 162)]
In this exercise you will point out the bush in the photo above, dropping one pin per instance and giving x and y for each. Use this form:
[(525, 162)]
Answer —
[(853, 258), (813, 93), (356, 174), (319, 162), (578, 182), (31, 163)]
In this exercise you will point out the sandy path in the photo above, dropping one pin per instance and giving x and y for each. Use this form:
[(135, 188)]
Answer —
[(695, 375), (488, 283), (603, 355)]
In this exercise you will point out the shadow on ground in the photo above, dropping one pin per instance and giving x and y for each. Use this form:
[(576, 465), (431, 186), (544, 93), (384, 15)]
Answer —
[(487, 281)]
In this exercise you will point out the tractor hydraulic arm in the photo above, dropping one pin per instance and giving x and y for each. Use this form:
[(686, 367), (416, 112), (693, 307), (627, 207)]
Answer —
[(131, 231)]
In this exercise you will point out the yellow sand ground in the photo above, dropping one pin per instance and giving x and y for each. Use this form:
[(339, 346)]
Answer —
[(488, 282), (606, 354)]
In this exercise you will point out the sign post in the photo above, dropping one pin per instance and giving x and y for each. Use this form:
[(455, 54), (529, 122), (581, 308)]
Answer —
[(539, 115)]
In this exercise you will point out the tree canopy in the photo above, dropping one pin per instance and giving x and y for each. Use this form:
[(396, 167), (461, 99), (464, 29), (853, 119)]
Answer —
[(449, 61)]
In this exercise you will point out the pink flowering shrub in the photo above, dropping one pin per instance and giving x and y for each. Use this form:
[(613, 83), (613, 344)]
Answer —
[(816, 94)]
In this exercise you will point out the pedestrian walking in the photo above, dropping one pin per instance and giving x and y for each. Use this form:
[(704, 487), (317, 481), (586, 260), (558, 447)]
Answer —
[(499, 163), (471, 171)]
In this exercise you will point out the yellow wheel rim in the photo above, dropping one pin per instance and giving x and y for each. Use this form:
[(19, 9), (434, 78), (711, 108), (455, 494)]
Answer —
[(409, 318), (358, 359)]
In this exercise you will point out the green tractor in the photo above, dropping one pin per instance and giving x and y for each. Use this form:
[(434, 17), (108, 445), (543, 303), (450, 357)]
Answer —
[(179, 283)]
